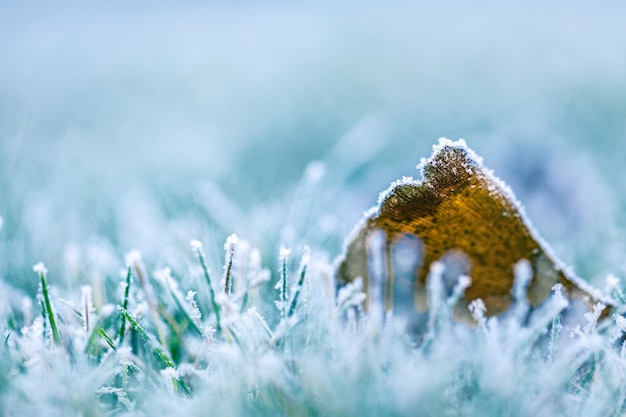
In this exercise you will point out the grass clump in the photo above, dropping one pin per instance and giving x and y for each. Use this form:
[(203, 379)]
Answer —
[(310, 352)]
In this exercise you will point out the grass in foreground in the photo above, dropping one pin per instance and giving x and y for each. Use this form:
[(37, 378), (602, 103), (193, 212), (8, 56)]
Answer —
[(150, 347)]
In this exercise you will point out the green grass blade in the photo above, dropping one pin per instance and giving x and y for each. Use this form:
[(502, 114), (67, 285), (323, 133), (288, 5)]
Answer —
[(216, 308), (303, 268), (184, 312), (106, 338), (281, 285), (42, 308), (230, 247), (122, 330), (56, 336), (157, 349)]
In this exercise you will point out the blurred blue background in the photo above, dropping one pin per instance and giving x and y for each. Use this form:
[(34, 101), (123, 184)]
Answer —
[(146, 125)]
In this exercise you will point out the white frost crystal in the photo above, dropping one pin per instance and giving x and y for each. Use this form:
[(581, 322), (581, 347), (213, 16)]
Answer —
[(40, 268), (133, 258), (195, 244)]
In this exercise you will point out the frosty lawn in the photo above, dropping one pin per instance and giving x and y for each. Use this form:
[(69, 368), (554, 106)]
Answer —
[(178, 359), (259, 343), (129, 130)]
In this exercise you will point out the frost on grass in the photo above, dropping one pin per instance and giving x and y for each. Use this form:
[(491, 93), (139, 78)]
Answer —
[(40, 268), (169, 340), (282, 283), (301, 361), (230, 247)]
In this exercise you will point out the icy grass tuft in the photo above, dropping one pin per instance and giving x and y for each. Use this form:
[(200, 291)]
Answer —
[(308, 358)]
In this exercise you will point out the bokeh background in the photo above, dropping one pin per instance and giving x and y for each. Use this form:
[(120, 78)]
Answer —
[(145, 125)]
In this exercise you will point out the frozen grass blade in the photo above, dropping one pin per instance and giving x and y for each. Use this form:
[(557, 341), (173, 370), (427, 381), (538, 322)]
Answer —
[(614, 290), (42, 309), (262, 322), (134, 260), (522, 272), (304, 264), (157, 349), (41, 270), (74, 309), (555, 327), (122, 330), (106, 338), (281, 285), (197, 247), (458, 291), (195, 323), (86, 305), (160, 353), (230, 247), (195, 317), (437, 308)]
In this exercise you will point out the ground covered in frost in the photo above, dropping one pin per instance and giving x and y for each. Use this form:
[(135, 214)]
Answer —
[(129, 131), (190, 342)]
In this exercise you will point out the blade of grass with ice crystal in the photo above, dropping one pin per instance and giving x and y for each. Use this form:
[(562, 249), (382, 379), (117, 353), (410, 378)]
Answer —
[(304, 263), (56, 336), (160, 353), (122, 330), (197, 247)]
